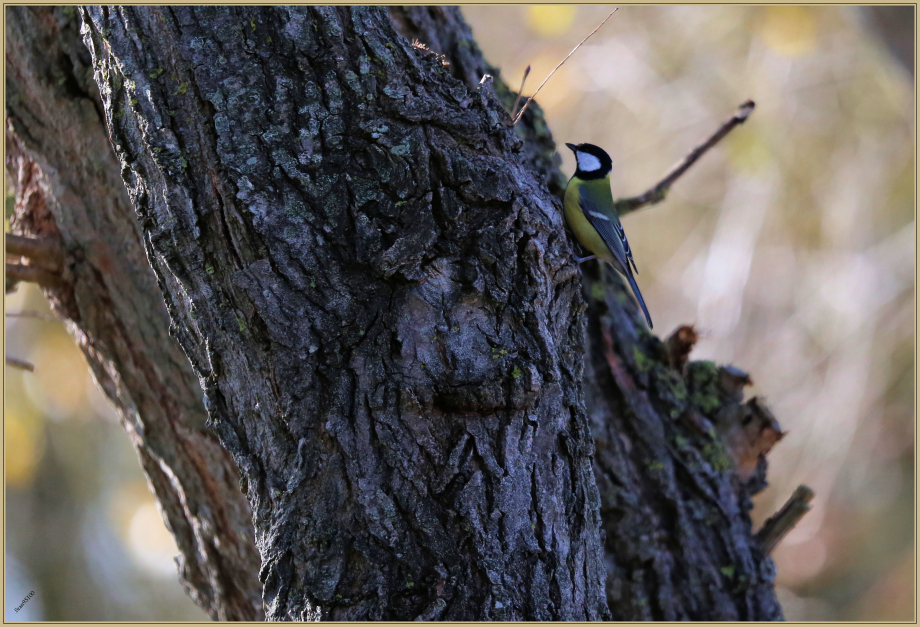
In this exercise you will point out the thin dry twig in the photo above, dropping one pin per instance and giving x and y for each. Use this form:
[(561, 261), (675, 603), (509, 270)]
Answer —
[(783, 521), (657, 193), (39, 315), (520, 114), (517, 100), (21, 364)]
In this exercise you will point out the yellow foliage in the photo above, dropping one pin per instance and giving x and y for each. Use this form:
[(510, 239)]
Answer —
[(558, 91)]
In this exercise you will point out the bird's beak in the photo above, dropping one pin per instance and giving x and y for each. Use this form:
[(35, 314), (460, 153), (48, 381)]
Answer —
[(571, 147)]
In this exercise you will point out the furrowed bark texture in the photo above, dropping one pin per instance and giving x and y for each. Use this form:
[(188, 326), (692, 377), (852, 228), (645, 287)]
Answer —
[(68, 190), (379, 300), (444, 31), (678, 456)]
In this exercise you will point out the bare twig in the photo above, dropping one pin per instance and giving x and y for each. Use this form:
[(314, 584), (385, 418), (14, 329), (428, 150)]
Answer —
[(32, 274), (44, 252), (520, 114), (19, 363), (517, 100), (783, 521), (657, 193), (31, 314)]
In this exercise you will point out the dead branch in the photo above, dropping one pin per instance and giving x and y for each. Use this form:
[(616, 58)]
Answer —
[(20, 364), (783, 521), (16, 272), (43, 252), (657, 193)]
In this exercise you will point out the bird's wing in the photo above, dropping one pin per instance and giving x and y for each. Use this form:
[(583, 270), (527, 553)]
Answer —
[(622, 234), (611, 231), (609, 228)]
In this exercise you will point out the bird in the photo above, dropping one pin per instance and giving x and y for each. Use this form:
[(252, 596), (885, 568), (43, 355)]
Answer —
[(592, 216)]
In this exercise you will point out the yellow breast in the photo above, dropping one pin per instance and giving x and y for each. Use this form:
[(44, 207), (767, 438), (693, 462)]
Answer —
[(586, 234)]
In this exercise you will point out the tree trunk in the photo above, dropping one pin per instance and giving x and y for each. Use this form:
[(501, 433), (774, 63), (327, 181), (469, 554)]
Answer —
[(367, 269), (378, 299)]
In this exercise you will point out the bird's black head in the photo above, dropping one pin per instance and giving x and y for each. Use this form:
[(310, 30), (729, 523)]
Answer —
[(593, 162)]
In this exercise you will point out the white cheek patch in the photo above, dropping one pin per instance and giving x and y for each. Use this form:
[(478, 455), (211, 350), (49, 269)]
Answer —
[(587, 162)]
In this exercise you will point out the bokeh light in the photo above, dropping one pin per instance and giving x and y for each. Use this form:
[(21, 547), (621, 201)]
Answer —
[(24, 446), (83, 529), (549, 20)]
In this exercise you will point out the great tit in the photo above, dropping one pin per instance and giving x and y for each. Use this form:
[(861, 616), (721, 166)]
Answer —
[(592, 216)]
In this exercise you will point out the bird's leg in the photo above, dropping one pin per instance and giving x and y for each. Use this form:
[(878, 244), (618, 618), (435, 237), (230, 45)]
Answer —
[(577, 258)]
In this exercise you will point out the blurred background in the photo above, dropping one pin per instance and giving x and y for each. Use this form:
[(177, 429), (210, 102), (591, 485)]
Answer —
[(791, 246), (82, 529)]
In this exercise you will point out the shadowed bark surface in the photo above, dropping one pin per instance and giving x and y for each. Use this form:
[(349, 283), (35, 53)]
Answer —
[(368, 272)]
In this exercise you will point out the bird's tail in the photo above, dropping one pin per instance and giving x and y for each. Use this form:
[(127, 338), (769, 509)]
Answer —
[(635, 289)]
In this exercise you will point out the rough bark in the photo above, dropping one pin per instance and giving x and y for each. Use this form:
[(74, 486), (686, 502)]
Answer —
[(444, 31), (379, 301), (69, 192), (678, 457), (368, 270)]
